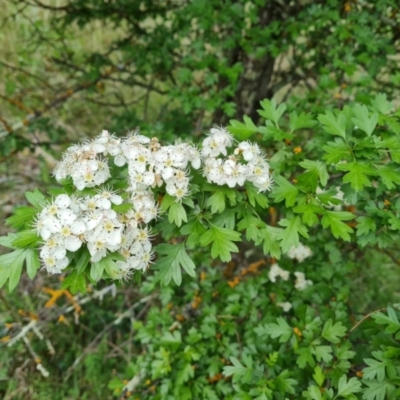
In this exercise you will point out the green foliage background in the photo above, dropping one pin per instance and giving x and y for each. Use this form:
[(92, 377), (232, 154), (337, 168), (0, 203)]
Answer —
[(173, 69)]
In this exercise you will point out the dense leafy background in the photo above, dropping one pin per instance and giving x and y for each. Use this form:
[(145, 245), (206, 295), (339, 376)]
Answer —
[(174, 69)]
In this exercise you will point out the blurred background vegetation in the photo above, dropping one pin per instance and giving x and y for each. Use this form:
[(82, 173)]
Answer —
[(173, 68)]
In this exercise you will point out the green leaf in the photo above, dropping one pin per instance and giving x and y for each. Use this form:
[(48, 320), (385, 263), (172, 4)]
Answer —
[(376, 369), (318, 168), (270, 111), (381, 104), (252, 225), (269, 235), (6, 241), (97, 269), (82, 261), (348, 387), (309, 212), (365, 225), (36, 198), (304, 357), (255, 197), (177, 213), (75, 282), (319, 376), (290, 235), (283, 190), (335, 125), (236, 368), (23, 216), (333, 219), (363, 120), (242, 131), (122, 208), (322, 353), (173, 258), (377, 390), (222, 242), (32, 262), (315, 393), (218, 200), (281, 330), (301, 121), (194, 230), (16, 269), (357, 175), (390, 176), (26, 239), (336, 151), (332, 332)]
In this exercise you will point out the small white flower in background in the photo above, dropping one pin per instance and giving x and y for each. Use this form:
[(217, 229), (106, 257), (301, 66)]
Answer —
[(300, 253), (276, 271), (301, 281), (286, 306)]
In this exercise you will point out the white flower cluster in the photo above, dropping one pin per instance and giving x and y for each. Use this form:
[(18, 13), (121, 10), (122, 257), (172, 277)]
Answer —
[(276, 271), (301, 281), (246, 164), (300, 253), (70, 221)]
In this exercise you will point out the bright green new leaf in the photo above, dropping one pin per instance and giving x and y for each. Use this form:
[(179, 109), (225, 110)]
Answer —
[(222, 242), (25, 239), (242, 131), (176, 211), (333, 332), (36, 198), (357, 175), (23, 217), (270, 111), (217, 201), (319, 376), (333, 219), (362, 119), (290, 235), (335, 125), (283, 190), (173, 258)]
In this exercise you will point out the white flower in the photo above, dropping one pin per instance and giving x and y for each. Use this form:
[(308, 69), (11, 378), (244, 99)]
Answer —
[(300, 252), (301, 282), (285, 305), (277, 271)]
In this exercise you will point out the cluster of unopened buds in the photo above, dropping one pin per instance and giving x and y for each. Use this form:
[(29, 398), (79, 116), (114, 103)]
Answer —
[(70, 221)]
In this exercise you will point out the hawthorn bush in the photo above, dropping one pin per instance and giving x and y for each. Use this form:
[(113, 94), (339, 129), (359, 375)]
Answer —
[(259, 232)]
